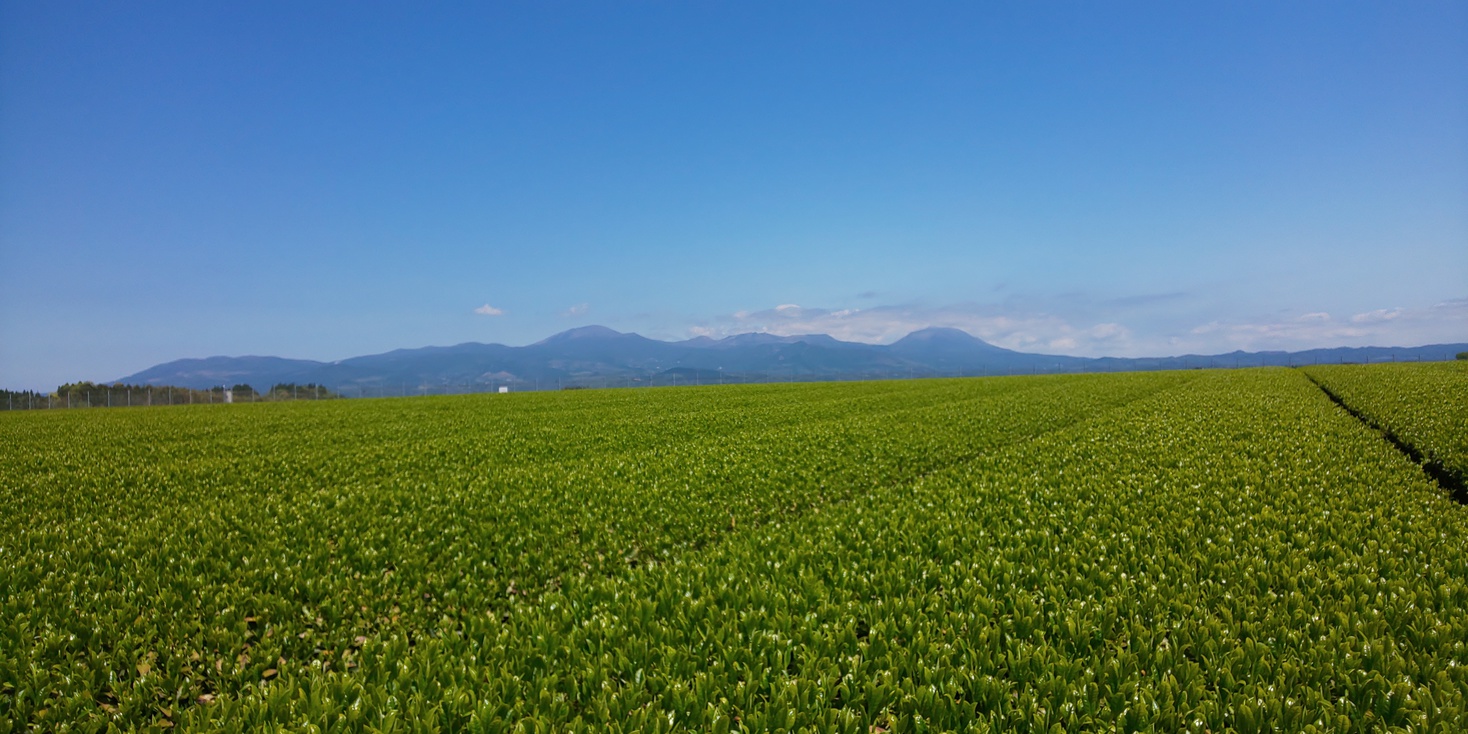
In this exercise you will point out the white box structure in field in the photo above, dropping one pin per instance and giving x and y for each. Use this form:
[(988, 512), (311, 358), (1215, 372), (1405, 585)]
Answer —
[(504, 389)]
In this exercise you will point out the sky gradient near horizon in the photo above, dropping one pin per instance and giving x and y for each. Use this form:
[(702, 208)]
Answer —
[(323, 180)]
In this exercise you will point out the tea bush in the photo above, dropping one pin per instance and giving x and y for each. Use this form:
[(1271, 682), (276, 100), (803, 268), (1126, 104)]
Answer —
[(157, 558), (1204, 551), (1424, 406)]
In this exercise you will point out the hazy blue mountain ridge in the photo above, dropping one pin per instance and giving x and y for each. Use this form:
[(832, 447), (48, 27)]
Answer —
[(596, 355)]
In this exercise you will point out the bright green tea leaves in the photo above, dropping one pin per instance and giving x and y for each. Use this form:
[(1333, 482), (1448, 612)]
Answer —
[(1201, 551)]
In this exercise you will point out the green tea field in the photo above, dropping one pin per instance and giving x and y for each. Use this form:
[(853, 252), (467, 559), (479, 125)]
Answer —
[(1203, 551)]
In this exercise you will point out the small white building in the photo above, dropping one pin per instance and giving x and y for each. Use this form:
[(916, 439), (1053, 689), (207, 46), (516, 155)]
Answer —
[(504, 389)]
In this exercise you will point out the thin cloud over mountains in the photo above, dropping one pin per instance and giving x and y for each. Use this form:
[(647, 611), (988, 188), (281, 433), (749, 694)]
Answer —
[(1116, 331), (1442, 322), (886, 324)]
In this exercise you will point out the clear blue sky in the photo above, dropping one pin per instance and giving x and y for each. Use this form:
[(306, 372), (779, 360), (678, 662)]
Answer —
[(323, 180)]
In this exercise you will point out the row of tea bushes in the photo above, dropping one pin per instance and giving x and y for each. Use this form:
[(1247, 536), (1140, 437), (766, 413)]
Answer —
[(1231, 554), (157, 562), (1424, 406)]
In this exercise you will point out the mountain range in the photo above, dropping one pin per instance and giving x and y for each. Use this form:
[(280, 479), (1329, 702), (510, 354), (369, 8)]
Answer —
[(593, 356)]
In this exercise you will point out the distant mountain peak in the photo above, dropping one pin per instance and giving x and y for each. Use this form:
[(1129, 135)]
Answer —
[(583, 333), (592, 354), (943, 339), (942, 332)]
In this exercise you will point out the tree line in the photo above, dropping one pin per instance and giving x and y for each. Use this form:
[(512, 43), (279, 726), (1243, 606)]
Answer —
[(119, 395)]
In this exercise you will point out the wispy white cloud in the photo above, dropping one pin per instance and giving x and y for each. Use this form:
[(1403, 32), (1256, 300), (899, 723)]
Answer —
[(1440, 323), (1108, 331), (1028, 326), (1378, 316), (1275, 334), (1000, 325), (488, 310), (579, 309)]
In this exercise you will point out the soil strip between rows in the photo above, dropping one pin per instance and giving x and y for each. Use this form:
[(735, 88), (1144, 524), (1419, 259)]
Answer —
[(1450, 481)]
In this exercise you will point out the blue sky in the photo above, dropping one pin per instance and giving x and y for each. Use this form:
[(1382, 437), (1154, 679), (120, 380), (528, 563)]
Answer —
[(322, 180)]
